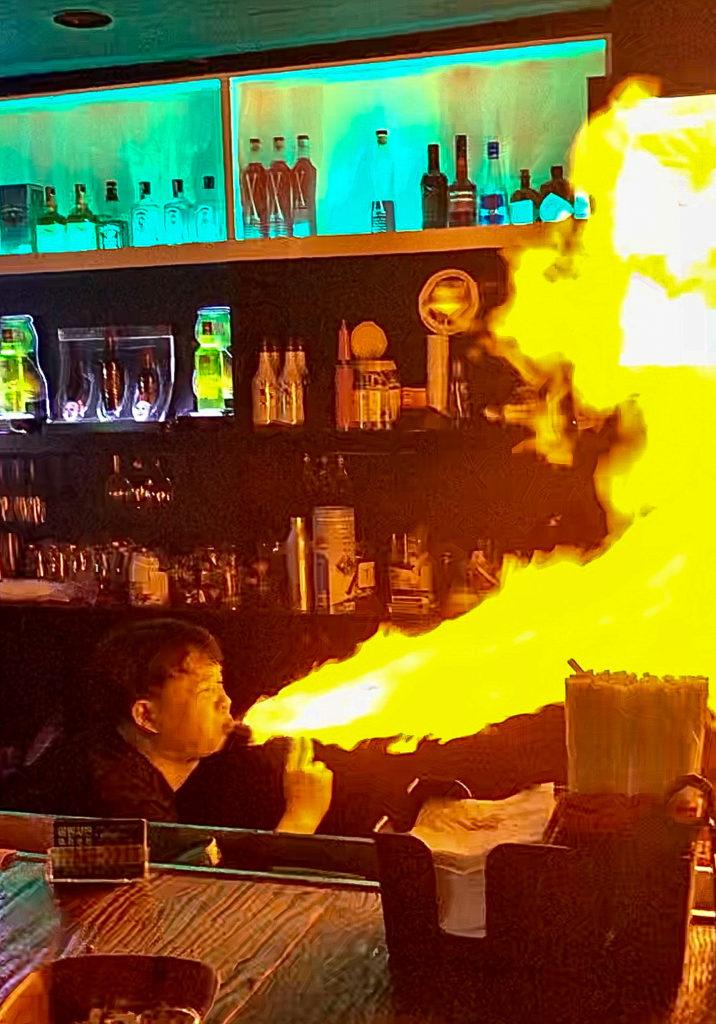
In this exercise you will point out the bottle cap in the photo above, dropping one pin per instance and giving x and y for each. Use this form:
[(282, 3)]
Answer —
[(382, 136), (493, 149), (209, 181)]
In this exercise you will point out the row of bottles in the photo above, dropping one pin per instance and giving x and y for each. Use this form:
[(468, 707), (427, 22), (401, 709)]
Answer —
[(278, 395), (114, 374), (115, 227), (279, 201), (462, 204)]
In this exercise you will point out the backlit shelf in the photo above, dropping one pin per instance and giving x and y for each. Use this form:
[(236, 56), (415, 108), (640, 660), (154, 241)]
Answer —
[(319, 247)]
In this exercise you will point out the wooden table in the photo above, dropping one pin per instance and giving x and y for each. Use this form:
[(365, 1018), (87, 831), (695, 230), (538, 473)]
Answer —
[(284, 953)]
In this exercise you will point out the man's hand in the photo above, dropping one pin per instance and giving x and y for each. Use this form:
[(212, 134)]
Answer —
[(307, 787)]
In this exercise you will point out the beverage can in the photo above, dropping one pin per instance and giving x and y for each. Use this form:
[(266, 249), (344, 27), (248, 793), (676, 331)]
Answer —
[(334, 559)]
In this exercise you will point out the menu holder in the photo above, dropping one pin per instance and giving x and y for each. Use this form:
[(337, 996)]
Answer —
[(98, 850)]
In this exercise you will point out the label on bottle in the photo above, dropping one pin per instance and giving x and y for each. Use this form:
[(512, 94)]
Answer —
[(582, 206), (109, 235), (81, 235), (145, 226), (50, 238), (206, 229), (554, 208), (522, 211)]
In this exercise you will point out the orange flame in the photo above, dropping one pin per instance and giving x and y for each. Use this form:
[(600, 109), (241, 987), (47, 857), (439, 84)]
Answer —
[(625, 309)]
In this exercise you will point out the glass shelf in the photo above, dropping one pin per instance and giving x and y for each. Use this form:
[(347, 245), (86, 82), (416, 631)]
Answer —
[(152, 133), (318, 247), (532, 98)]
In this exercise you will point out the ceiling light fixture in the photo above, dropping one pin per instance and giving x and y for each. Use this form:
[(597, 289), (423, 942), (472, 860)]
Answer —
[(81, 18)]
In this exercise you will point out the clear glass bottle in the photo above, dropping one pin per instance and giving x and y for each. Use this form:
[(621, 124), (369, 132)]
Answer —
[(178, 216), (290, 389), (304, 176), (147, 388), (433, 190), (146, 220), (23, 388), (78, 390), (112, 225), (264, 391), (298, 566), (206, 214), (556, 197), (524, 201), (462, 194), (112, 383), (382, 211), (81, 224), (493, 196), (50, 226), (254, 194), (213, 381), (280, 192)]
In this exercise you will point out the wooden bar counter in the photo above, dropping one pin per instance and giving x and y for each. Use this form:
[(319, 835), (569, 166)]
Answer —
[(283, 952)]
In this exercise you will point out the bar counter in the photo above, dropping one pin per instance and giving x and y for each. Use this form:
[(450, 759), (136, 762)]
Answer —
[(284, 952)]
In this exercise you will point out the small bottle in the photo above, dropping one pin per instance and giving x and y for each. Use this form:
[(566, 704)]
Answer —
[(112, 381), (304, 190), (77, 393), (146, 220), (280, 192), (81, 231), (254, 194), (290, 389), (23, 387), (493, 197), (298, 566), (344, 380), (382, 213), (178, 216), (206, 214), (460, 397), (146, 391), (50, 226), (524, 202), (264, 390), (112, 226), (433, 189), (556, 197), (462, 194)]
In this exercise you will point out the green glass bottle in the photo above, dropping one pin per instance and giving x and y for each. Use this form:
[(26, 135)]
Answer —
[(213, 382)]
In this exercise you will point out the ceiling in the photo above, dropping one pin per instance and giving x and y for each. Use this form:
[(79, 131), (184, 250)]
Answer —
[(152, 30)]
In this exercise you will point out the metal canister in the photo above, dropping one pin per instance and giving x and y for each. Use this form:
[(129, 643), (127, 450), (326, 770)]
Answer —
[(376, 394), (334, 559)]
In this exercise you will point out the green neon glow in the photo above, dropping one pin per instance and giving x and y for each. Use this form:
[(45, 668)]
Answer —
[(130, 94), (532, 98), (400, 67)]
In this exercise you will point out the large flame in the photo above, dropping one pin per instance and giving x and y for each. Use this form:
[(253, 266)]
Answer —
[(625, 308)]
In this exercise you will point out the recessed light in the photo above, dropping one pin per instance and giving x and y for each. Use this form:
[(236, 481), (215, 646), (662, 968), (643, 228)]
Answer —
[(81, 18)]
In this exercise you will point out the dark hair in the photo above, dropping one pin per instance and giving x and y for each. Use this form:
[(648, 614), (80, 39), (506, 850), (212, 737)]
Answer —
[(135, 661)]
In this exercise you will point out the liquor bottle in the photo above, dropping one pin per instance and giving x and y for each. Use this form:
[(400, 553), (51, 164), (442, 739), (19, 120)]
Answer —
[(213, 381), (304, 190), (146, 221), (264, 391), (81, 230), (433, 188), (146, 390), (382, 213), (460, 403), (112, 226), (254, 194), (23, 388), (50, 226), (275, 358), (298, 566), (556, 197), (493, 197), (112, 381), (177, 216), (344, 380), (290, 390), (462, 194), (206, 214), (524, 202), (78, 390), (280, 192)]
